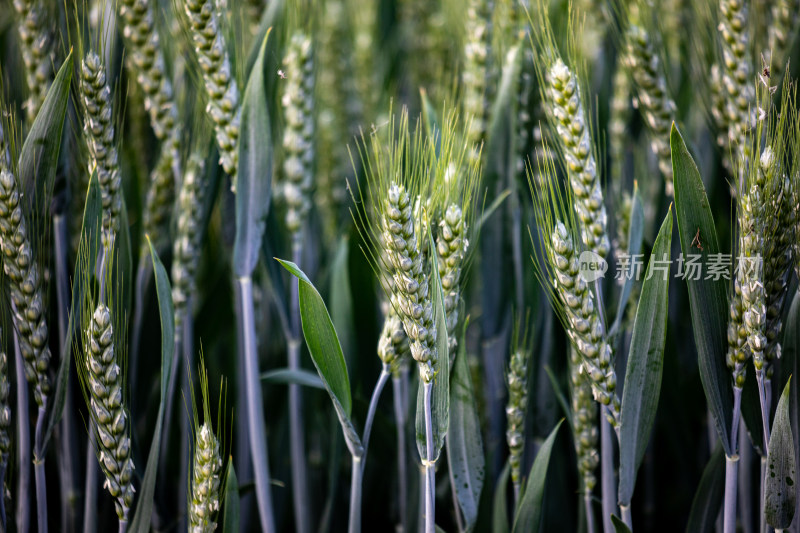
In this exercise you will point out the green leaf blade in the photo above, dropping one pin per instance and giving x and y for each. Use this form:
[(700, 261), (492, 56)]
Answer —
[(38, 160), (230, 511), (707, 297), (464, 445), (500, 502), (254, 181), (708, 498), (144, 507), (529, 512), (645, 364), (779, 483)]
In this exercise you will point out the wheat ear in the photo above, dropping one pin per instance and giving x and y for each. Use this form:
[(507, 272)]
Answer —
[(298, 137), (205, 482), (393, 346), (516, 408), (572, 127), (220, 84), (105, 384), (36, 44), (477, 56), (584, 423), (24, 273), (99, 132), (451, 249), (736, 73)]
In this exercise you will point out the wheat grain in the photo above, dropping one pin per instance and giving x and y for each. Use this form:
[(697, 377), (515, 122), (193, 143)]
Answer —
[(24, 273), (99, 132), (186, 246), (220, 84), (584, 423), (110, 419), (516, 409), (477, 55), (737, 72), (36, 44), (564, 98), (393, 346), (298, 136), (411, 296), (451, 248), (657, 107), (205, 482)]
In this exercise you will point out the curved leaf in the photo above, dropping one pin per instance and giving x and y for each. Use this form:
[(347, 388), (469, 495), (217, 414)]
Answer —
[(529, 511), (326, 352), (440, 403), (230, 511), (645, 363), (708, 498), (707, 297), (464, 445), (635, 236), (144, 507), (500, 504), (254, 180), (619, 525), (38, 160), (299, 377), (780, 479)]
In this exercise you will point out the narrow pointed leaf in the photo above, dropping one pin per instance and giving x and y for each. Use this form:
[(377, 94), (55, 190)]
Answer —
[(326, 352), (38, 160), (144, 500), (751, 410), (500, 503), (254, 182), (645, 363), (464, 445), (440, 402), (619, 525), (707, 297), (708, 498), (230, 510), (342, 298), (635, 236), (779, 485), (529, 511), (298, 377)]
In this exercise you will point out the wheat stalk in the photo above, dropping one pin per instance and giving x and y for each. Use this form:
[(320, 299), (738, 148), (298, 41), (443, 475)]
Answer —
[(220, 84), (36, 44)]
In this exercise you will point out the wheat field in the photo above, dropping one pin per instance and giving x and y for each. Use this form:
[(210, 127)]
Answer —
[(506, 266)]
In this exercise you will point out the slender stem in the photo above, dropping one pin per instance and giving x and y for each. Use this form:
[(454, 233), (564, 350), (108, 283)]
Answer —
[(745, 481), (67, 439), (516, 243), (38, 462), (762, 516), (90, 487), (517, 488), (255, 407), (402, 472), (729, 513), (430, 472), (357, 476), (626, 515), (297, 442), (123, 526), (24, 441), (587, 504), (732, 467), (608, 483), (373, 406)]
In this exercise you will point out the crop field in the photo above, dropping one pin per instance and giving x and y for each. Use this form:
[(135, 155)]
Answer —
[(316, 266)]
